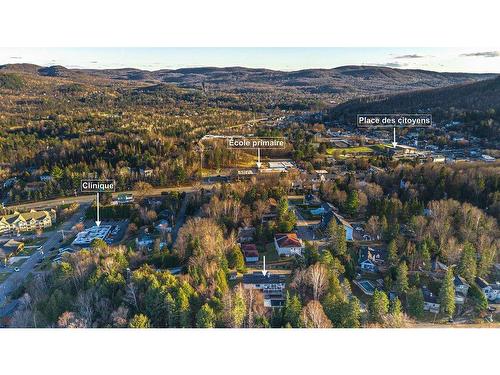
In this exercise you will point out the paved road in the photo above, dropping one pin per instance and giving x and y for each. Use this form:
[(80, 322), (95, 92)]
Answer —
[(53, 237), (90, 198)]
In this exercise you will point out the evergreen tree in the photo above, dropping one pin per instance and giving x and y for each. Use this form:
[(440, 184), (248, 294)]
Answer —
[(337, 238), (171, 312), (395, 307), (425, 256), (378, 306), (467, 267), (447, 294), (236, 260), (205, 318), (392, 250), (292, 309), (183, 309), (415, 300), (352, 202), (478, 298), (402, 278)]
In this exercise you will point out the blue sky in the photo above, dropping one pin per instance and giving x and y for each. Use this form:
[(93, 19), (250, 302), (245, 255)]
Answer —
[(480, 60)]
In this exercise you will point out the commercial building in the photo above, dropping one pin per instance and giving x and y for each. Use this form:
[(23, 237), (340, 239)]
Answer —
[(85, 238)]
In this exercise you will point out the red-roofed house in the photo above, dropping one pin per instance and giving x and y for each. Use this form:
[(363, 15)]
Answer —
[(288, 244), (250, 252)]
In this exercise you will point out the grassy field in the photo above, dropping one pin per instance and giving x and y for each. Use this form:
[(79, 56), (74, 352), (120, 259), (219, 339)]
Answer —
[(356, 150)]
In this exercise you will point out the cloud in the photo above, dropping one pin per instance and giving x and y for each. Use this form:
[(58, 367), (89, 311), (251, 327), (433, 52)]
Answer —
[(412, 56), (391, 65), (16, 57), (482, 54)]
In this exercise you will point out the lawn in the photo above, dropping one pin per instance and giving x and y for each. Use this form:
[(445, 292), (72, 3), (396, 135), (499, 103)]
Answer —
[(356, 150), (269, 251)]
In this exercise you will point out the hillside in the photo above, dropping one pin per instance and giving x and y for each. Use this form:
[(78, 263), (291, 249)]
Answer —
[(477, 96)]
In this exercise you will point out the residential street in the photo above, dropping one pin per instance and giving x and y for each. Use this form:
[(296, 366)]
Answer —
[(53, 237)]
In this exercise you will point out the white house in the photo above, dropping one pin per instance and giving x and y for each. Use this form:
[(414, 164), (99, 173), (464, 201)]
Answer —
[(288, 244), (491, 291), (371, 259)]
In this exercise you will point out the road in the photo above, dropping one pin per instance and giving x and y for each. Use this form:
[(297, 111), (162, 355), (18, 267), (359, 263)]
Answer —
[(53, 237), (82, 199)]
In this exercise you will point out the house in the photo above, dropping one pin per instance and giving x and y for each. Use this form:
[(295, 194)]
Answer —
[(250, 252), (46, 177), (431, 302), (246, 234), (329, 216), (461, 285), (125, 198), (487, 158), (288, 244), (272, 212), (9, 182), (11, 247), (146, 172), (163, 226), (491, 291), (271, 285), (144, 241), (371, 259), (438, 267), (26, 221)]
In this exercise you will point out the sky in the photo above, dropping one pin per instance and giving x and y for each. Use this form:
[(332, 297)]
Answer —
[(473, 60)]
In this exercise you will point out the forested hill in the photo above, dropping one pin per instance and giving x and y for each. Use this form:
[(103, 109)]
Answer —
[(478, 96), (330, 86)]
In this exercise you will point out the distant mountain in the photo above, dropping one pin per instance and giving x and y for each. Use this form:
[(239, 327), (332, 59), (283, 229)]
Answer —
[(331, 86)]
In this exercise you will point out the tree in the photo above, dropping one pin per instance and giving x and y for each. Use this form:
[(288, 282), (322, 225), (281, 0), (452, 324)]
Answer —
[(238, 310), (478, 298), (392, 250), (235, 259), (415, 300), (402, 278), (467, 267), (205, 318), (291, 310), (352, 202), (486, 260), (447, 294), (98, 244), (337, 238), (378, 306), (317, 278), (139, 321), (425, 256), (313, 316)]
